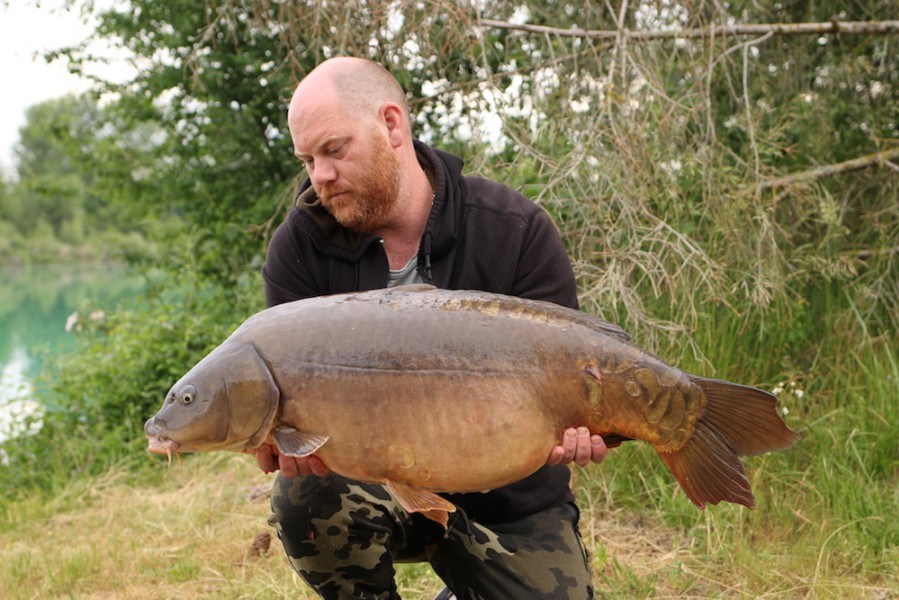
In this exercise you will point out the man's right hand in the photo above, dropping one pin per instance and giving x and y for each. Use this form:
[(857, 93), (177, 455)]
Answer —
[(270, 460)]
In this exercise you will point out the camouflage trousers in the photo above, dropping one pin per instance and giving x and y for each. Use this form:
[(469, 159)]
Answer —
[(344, 537)]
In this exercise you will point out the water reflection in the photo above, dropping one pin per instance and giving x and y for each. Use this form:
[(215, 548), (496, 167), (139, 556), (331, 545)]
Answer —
[(34, 307), (19, 413)]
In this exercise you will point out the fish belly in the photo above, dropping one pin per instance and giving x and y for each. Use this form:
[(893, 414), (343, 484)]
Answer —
[(441, 431)]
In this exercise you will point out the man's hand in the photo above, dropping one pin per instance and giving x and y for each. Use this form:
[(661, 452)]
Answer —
[(580, 447), (269, 460)]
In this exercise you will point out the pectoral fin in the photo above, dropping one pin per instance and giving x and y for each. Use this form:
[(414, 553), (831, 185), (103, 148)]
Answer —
[(417, 500), (293, 442)]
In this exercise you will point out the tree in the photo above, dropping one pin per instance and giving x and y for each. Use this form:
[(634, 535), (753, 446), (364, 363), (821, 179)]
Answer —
[(55, 205), (687, 175), (213, 97), (51, 190), (653, 155)]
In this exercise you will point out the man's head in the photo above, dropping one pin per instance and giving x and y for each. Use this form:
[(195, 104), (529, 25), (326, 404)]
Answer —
[(349, 121)]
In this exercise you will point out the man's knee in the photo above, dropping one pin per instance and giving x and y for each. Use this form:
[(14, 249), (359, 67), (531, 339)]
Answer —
[(334, 514), (540, 556), (338, 534)]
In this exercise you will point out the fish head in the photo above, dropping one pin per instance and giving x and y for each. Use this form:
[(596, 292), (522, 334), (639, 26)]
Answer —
[(228, 401)]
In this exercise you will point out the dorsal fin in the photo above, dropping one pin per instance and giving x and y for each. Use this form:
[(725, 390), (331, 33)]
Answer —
[(609, 328)]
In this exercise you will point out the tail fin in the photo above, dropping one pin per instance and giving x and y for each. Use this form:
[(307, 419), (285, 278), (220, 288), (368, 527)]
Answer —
[(738, 420)]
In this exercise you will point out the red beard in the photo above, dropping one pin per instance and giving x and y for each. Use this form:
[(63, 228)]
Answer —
[(370, 202)]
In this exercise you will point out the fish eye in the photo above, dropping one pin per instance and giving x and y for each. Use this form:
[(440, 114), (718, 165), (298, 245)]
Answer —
[(188, 395)]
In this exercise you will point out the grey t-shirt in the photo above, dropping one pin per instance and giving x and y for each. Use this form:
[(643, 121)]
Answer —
[(405, 276)]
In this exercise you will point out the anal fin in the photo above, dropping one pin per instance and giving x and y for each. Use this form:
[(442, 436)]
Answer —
[(613, 440), (417, 500)]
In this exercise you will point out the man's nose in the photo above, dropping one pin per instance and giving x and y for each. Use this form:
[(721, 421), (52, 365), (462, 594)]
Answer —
[(324, 172)]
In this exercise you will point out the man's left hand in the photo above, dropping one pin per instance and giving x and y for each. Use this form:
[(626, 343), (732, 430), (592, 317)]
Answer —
[(580, 447)]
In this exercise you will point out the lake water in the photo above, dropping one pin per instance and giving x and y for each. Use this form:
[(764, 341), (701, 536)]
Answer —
[(35, 306)]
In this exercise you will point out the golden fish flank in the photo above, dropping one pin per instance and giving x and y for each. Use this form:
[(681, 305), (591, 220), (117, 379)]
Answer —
[(383, 386)]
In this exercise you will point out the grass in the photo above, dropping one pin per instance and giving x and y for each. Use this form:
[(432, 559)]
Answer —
[(191, 533), (190, 536)]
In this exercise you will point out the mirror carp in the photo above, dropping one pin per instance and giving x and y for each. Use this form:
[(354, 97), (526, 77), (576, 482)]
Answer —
[(427, 390)]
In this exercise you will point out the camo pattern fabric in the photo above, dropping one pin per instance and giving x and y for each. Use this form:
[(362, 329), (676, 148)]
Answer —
[(343, 538)]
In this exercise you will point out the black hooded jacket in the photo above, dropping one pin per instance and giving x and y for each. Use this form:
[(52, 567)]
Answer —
[(481, 235)]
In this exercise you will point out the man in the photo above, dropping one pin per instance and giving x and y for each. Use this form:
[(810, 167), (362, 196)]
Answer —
[(381, 209)]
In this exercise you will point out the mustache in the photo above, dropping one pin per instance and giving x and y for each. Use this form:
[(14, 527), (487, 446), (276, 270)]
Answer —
[(326, 191)]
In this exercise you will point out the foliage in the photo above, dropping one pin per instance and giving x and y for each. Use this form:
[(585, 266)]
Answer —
[(201, 128), (669, 141)]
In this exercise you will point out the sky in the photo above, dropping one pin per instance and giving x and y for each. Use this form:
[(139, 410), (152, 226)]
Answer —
[(27, 29)]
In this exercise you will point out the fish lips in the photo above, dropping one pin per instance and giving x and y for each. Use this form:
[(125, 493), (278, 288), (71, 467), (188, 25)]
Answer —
[(162, 445), (158, 442)]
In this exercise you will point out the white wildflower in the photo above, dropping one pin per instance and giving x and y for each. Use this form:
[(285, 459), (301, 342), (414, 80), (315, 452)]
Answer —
[(71, 322)]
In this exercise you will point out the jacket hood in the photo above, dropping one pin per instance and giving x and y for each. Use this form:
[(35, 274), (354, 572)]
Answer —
[(444, 221)]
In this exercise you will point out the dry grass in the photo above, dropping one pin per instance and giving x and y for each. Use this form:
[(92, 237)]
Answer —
[(191, 537), (194, 535)]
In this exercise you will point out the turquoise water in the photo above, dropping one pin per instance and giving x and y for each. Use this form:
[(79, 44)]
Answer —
[(36, 305)]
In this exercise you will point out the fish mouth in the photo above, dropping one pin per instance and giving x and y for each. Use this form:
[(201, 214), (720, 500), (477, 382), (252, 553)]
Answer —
[(159, 444)]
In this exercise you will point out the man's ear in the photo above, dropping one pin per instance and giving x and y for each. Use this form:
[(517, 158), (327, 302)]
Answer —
[(395, 120)]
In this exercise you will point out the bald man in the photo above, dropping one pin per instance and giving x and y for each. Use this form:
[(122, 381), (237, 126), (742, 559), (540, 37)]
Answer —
[(379, 209)]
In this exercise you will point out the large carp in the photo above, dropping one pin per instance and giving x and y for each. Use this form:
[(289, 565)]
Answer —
[(427, 390)]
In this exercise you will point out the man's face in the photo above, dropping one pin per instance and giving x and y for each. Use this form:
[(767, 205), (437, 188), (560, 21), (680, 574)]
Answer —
[(351, 165), (364, 193)]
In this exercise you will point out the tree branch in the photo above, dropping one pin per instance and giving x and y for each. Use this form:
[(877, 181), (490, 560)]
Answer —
[(835, 26), (855, 164)]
